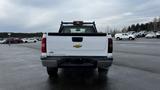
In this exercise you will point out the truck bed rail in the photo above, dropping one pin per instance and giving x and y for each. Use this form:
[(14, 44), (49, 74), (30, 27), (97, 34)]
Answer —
[(77, 34)]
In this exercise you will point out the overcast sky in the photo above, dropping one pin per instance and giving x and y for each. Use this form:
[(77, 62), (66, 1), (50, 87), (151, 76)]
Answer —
[(46, 15)]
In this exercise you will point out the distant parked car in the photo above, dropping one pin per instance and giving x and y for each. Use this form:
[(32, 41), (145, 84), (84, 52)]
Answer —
[(158, 34), (120, 36), (131, 32), (142, 34), (29, 40), (38, 39), (2, 41), (151, 35), (12, 41)]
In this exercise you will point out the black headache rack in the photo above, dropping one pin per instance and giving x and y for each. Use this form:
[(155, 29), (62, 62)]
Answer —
[(77, 23)]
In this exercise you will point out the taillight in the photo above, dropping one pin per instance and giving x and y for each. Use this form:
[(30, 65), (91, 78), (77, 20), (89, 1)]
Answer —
[(43, 44), (110, 45)]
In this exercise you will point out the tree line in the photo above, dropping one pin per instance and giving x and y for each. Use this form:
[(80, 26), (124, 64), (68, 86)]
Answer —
[(150, 26), (20, 35)]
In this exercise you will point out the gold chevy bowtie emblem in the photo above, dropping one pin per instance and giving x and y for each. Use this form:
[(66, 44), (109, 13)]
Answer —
[(77, 45)]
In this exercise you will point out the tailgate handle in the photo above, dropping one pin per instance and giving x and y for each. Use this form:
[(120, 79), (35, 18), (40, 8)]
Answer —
[(77, 39)]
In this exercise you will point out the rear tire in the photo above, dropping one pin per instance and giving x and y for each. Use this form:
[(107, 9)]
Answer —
[(52, 72), (117, 38), (102, 72), (130, 38)]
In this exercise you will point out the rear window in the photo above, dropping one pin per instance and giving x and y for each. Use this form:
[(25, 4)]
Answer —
[(76, 29)]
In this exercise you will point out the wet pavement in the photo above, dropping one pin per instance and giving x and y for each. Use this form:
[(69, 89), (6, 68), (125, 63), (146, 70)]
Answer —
[(136, 67)]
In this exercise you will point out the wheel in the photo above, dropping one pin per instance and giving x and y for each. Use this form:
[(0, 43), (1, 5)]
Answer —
[(52, 72), (130, 38), (103, 72), (118, 38)]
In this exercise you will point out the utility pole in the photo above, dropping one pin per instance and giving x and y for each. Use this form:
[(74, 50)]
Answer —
[(9, 36), (155, 24)]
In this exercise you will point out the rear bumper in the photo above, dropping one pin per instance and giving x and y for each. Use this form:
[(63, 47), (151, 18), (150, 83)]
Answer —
[(77, 61)]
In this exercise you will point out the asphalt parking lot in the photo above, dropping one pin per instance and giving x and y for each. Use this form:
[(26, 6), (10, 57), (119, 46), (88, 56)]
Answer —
[(136, 67)]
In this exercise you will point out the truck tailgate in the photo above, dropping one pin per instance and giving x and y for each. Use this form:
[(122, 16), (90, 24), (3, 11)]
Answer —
[(59, 45)]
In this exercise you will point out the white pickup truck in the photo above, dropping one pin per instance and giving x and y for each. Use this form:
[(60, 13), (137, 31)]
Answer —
[(120, 36), (76, 45), (29, 40)]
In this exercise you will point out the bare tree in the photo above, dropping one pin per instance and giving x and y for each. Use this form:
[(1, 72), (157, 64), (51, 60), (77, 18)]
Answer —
[(155, 20), (124, 29)]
